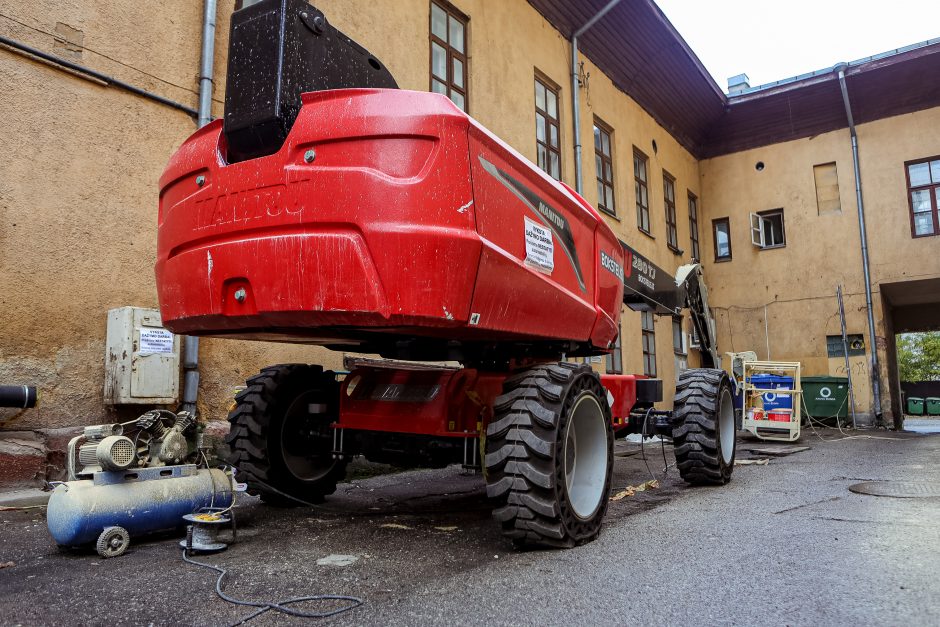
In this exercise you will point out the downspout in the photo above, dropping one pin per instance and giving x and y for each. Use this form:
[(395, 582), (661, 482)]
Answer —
[(207, 62), (875, 369), (575, 99)]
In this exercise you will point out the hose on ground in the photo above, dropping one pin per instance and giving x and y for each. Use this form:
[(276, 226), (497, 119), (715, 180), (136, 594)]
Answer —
[(279, 606)]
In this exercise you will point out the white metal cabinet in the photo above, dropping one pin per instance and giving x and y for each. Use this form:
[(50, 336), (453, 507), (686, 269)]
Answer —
[(142, 359)]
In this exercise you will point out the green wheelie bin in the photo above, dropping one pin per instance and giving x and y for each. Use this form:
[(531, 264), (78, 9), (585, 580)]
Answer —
[(826, 397), (932, 406)]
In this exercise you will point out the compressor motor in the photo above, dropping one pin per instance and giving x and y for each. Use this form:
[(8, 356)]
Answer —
[(106, 448), (133, 478)]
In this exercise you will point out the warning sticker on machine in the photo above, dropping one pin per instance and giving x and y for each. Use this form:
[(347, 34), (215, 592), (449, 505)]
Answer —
[(539, 246), (154, 341)]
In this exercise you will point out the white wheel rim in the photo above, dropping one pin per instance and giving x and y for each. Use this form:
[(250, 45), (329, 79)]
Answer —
[(585, 456), (726, 425)]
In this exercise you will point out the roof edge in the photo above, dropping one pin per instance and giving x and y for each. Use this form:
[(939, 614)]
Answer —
[(687, 49), (890, 56)]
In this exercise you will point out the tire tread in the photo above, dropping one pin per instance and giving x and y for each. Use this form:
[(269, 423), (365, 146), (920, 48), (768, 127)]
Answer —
[(695, 432)]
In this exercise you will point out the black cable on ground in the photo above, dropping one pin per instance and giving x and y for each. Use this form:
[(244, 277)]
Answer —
[(662, 441), (280, 606)]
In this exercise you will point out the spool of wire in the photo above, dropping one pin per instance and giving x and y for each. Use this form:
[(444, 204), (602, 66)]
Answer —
[(202, 533)]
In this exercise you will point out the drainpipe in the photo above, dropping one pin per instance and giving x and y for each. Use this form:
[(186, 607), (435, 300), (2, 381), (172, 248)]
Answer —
[(207, 63), (575, 99), (875, 370), (191, 348)]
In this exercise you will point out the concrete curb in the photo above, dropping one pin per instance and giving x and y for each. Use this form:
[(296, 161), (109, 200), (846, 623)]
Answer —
[(24, 498)]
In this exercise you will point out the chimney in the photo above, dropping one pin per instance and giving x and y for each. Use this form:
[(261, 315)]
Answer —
[(738, 84)]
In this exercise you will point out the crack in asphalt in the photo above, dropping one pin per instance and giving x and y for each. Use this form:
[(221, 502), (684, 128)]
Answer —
[(790, 509)]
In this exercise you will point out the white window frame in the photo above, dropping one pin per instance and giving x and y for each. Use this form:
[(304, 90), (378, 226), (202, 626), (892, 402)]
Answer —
[(757, 230), (683, 337), (694, 341), (759, 227)]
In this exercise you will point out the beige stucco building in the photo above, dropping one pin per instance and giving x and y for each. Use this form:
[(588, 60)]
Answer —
[(78, 184)]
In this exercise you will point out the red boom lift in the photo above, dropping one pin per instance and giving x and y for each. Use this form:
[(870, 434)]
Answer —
[(331, 208)]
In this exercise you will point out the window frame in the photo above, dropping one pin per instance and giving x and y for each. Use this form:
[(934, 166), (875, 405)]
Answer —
[(693, 226), (763, 218), (639, 183), (450, 52), (614, 359), (553, 88), (672, 222), (683, 349), (648, 339), (934, 190), (607, 163), (727, 222)]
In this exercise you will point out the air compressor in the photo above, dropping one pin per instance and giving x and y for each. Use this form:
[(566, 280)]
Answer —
[(134, 478)]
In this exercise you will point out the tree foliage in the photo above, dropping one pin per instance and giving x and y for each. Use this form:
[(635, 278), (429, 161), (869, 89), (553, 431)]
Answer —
[(919, 356)]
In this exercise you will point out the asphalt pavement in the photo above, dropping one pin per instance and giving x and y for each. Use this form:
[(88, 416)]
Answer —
[(784, 543)]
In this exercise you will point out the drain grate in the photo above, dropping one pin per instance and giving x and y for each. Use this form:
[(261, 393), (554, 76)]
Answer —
[(898, 489)]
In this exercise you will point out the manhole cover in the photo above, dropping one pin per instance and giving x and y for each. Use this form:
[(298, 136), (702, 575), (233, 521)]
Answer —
[(898, 489)]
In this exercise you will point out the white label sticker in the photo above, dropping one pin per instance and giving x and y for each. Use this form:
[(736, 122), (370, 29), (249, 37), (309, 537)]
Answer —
[(155, 341), (539, 246)]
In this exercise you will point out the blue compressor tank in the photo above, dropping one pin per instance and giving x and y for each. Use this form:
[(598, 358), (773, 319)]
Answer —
[(142, 501)]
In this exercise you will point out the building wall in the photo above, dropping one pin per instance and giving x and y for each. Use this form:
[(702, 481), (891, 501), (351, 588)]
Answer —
[(78, 198), (781, 302)]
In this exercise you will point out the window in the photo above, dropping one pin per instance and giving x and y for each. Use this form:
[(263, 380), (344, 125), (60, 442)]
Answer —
[(604, 162), (449, 53), (694, 340), (669, 197), (640, 167), (722, 232), (767, 229), (678, 337), (546, 128), (679, 348), (923, 186), (649, 343), (615, 359), (693, 226), (827, 188)]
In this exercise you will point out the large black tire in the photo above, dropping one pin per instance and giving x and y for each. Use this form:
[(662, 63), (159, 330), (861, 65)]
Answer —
[(703, 431), (550, 424), (280, 438)]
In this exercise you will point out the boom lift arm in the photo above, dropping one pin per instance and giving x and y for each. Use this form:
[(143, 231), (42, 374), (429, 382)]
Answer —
[(649, 288)]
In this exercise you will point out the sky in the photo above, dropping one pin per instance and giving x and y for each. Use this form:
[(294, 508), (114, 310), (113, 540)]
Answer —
[(770, 41)]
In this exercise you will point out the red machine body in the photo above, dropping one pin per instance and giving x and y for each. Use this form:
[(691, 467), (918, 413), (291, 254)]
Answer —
[(386, 214), (375, 220), (438, 402), (443, 402)]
